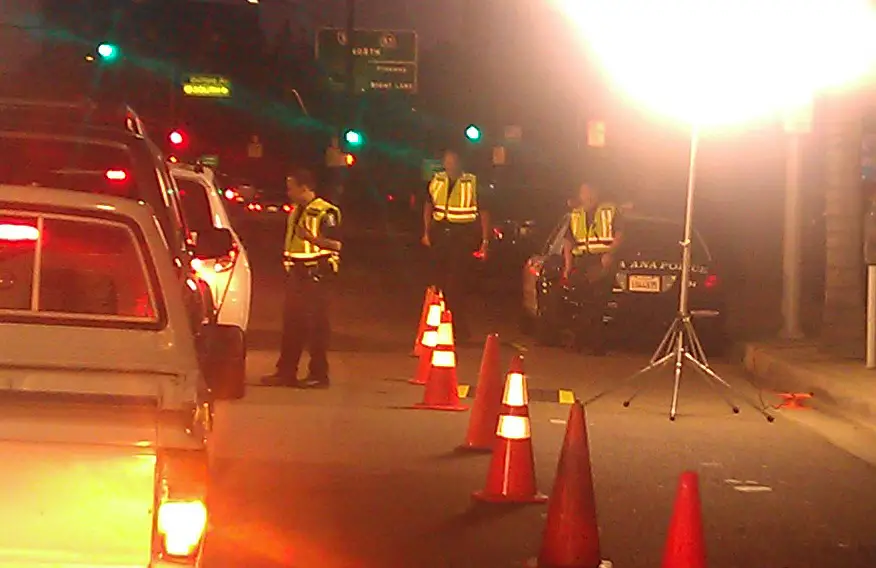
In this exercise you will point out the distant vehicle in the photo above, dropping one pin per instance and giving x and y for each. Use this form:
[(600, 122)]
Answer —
[(269, 206), (109, 386), (229, 276), (95, 148), (645, 294)]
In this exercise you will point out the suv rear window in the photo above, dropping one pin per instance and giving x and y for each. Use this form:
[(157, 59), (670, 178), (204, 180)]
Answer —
[(73, 269), (66, 163)]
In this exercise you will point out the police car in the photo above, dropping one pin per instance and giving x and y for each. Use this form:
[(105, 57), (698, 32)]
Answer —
[(646, 288)]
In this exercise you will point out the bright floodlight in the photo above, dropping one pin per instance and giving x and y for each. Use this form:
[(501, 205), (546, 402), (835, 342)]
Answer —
[(721, 61)]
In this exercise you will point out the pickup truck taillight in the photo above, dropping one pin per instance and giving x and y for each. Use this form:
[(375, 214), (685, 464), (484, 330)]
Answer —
[(181, 527), (181, 509)]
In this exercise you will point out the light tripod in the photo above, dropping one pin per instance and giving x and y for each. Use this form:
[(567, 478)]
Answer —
[(681, 344)]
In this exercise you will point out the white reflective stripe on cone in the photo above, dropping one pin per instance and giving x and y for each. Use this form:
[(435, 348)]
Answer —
[(513, 427), (430, 338), (515, 391), (433, 317), (445, 334), (444, 359)]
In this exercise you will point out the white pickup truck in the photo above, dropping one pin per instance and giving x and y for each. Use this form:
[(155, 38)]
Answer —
[(106, 387)]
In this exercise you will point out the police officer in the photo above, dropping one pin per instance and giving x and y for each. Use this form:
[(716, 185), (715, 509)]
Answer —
[(311, 258), (594, 234), (453, 205)]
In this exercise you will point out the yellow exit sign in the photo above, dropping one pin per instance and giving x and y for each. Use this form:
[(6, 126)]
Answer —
[(207, 86)]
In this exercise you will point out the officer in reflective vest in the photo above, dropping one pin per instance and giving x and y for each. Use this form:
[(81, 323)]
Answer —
[(594, 234), (311, 257), (453, 205)]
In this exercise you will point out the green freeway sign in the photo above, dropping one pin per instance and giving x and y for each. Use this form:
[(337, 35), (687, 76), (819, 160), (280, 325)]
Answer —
[(211, 160), (207, 86), (384, 60)]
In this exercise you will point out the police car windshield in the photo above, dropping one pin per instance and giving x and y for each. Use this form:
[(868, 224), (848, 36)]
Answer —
[(195, 205), (66, 163), (658, 239)]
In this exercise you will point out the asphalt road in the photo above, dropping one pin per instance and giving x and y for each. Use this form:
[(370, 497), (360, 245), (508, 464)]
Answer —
[(351, 477)]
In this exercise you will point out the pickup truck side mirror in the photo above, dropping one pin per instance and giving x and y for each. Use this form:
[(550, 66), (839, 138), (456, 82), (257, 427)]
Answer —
[(214, 243), (225, 368)]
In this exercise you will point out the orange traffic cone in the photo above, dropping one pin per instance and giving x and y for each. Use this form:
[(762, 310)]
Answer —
[(441, 392), (571, 535), (427, 301), (429, 342), (511, 477), (685, 547), (481, 435)]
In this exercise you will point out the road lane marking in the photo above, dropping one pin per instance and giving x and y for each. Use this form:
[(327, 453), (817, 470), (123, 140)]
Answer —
[(747, 486), (567, 397)]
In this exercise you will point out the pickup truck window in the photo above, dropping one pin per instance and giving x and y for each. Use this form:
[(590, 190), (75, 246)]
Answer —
[(59, 162), (73, 269)]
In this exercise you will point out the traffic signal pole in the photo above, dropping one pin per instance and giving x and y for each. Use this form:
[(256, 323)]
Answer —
[(350, 115)]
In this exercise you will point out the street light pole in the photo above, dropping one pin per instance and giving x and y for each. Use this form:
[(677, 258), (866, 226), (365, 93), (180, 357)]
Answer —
[(350, 75)]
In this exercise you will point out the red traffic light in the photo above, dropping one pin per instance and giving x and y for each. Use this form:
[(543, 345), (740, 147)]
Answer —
[(176, 137)]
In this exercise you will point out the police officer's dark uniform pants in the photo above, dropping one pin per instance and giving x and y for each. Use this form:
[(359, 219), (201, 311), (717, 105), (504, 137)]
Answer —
[(453, 248), (305, 325), (591, 289)]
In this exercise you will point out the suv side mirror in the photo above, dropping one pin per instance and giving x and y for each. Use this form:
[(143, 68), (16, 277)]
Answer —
[(214, 243), (225, 368)]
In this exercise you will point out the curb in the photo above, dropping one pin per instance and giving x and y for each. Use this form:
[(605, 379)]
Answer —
[(778, 374)]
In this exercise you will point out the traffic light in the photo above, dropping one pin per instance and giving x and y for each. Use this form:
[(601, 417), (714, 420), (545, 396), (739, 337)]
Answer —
[(108, 51), (353, 138), (473, 133), (177, 138)]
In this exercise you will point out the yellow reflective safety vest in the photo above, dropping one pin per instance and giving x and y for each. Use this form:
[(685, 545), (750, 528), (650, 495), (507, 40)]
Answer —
[(300, 251), (596, 235), (458, 204)]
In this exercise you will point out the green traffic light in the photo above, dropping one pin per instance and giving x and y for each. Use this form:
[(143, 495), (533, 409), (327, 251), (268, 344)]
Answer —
[(107, 51), (353, 138), (473, 133)]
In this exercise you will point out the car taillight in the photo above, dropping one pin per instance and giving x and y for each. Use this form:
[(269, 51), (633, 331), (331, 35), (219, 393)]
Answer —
[(711, 281), (230, 194), (18, 233), (254, 206), (116, 175), (287, 208), (217, 265), (181, 513)]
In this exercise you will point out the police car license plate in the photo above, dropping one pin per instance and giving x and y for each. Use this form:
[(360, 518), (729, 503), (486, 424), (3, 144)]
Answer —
[(644, 283)]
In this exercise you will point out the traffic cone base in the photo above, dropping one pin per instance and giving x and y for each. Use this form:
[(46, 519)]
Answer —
[(512, 476), (422, 370)]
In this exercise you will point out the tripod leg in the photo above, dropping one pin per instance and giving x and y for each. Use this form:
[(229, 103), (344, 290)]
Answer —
[(679, 359), (698, 366), (638, 391), (665, 344), (629, 379), (694, 338), (708, 374)]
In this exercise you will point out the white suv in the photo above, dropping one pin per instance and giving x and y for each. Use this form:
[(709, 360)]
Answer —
[(229, 276)]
